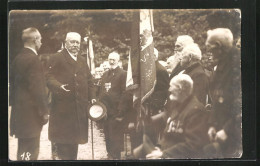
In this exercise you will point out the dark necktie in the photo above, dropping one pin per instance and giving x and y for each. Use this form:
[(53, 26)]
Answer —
[(111, 72)]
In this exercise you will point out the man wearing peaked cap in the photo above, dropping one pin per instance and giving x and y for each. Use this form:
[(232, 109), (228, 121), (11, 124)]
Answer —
[(70, 82)]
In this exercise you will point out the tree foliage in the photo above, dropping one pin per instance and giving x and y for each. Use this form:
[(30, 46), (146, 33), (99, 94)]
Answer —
[(110, 30)]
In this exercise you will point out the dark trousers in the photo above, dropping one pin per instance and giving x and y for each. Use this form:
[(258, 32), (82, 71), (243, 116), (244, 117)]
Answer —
[(114, 138), (142, 150), (66, 151), (28, 148)]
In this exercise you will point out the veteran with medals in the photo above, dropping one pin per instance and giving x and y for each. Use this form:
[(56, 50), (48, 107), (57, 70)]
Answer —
[(185, 125), (111, 95)]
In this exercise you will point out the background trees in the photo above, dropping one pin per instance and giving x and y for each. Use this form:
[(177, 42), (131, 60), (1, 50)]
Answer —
[(110, 29)]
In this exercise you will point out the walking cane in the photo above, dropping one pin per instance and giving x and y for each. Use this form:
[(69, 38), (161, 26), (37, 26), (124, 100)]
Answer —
[(88, 58), (92, 144)]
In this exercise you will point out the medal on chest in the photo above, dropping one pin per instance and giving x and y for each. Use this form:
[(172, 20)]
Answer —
[(174, 126), (107, 86)]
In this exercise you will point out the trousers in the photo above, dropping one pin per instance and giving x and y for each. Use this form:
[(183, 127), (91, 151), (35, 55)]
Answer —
[(28, 148), (66, 151)]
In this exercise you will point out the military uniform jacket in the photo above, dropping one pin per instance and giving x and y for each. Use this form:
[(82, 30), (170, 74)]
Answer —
[(28, 97), (186, 130), (68, 116)]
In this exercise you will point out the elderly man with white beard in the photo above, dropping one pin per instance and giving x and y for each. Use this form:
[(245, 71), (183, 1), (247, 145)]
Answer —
[(190, 62), (225, 93), (174, 60), (185, 125), (112, 94)]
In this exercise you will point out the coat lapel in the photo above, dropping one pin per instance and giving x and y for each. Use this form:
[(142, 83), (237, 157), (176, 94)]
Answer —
[(80, 64), (68, 58)]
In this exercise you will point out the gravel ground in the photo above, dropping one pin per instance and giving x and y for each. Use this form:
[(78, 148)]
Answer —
[(84, 151)]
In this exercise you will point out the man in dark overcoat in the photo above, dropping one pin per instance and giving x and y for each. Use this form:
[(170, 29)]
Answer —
[(225, 92), (70, 82), (112, 94), (28, 97), (157, 99), (191, 65), (185, 126)]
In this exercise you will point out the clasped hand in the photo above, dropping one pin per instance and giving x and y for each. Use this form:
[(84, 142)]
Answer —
[(63, 87), (155, 154), (217, 136)]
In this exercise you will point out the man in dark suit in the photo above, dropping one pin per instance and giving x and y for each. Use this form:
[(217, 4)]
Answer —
[(157, 99), (225, 92), (112, 94), (191, 64), (185, 125), (70, 82), (28, 96)]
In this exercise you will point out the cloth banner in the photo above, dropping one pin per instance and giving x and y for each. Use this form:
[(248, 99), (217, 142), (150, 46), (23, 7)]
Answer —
[(141, 75)]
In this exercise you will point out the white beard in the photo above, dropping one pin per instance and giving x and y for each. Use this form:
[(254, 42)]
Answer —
[(172, 97)]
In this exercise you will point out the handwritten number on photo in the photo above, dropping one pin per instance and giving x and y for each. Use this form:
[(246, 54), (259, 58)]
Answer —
[(26, 156)]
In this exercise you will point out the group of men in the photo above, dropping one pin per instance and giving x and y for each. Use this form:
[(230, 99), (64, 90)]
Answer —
[(202, 114), (179, 124)]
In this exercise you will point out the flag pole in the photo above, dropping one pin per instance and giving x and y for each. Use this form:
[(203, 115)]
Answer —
[(91, 122)]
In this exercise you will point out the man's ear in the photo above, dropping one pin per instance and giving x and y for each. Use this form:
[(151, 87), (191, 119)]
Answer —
[(65, 44), (190, 57), (218, 44)]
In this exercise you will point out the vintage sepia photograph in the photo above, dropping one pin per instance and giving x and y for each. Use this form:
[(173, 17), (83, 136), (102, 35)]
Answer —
[(124, 84)]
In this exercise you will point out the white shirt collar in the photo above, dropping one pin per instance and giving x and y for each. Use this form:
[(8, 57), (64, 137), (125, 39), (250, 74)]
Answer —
[(72, 56), (114, 67), (31, 49)]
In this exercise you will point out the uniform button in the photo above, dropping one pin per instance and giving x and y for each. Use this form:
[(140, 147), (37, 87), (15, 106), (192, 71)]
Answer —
[(75, 75), (77, 84), (221, 99)]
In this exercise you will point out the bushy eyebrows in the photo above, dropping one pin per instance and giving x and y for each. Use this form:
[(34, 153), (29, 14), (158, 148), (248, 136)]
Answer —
[(73, 41)]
